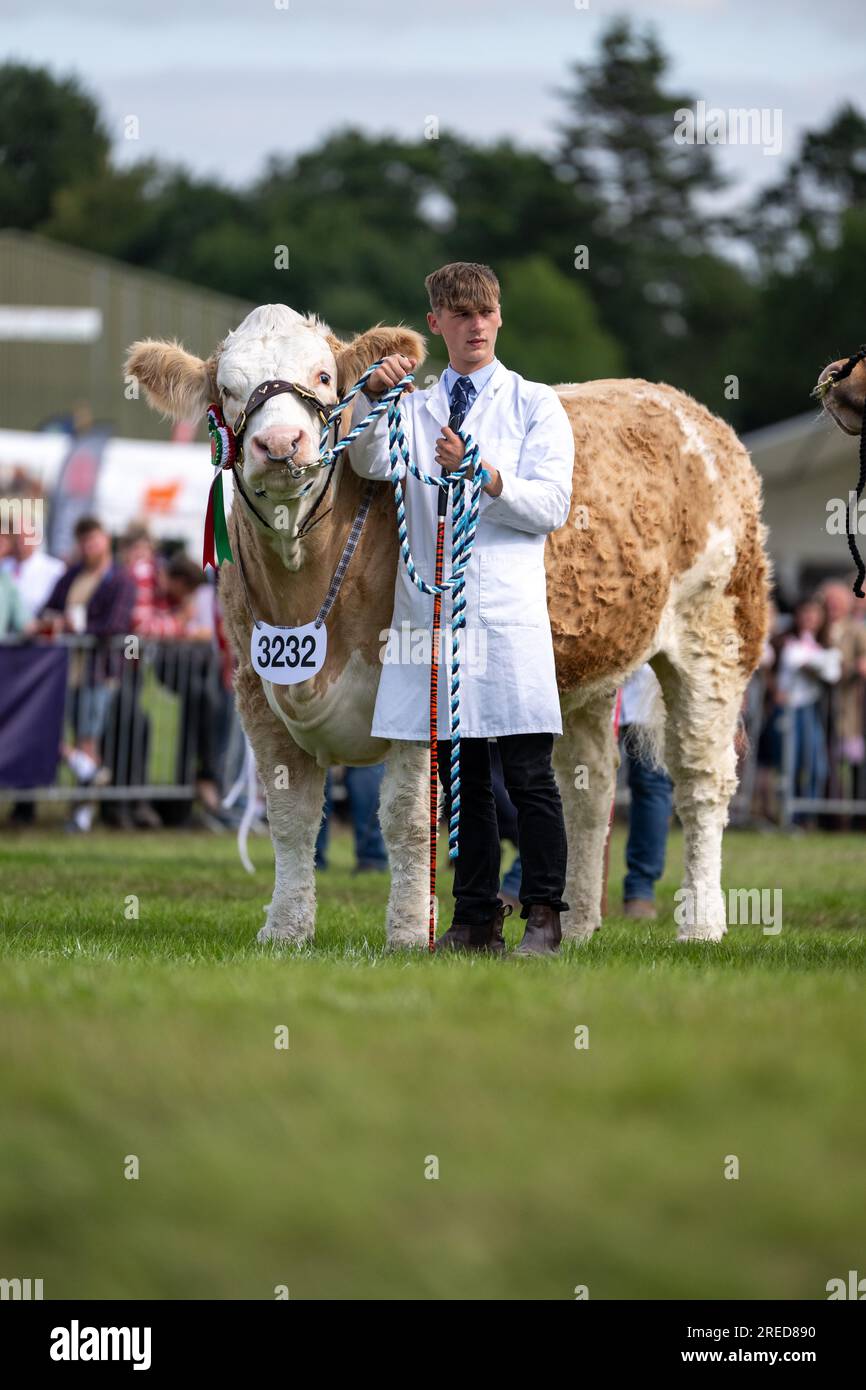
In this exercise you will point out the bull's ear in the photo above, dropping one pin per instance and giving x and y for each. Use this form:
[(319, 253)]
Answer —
[(176, 383), (355, 357)]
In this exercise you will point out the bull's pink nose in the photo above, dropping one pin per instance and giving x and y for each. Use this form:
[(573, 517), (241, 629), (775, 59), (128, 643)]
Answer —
[(279, 443)]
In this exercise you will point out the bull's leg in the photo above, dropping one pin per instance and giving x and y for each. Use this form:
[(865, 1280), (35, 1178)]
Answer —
[(405, 819), (703, 689), (585, 760), (294, 787)]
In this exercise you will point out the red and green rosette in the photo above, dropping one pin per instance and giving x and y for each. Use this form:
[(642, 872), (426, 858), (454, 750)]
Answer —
[(223, 452)]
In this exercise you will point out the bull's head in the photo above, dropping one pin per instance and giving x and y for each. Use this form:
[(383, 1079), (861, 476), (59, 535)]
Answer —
[(844, 398), (273, 342)]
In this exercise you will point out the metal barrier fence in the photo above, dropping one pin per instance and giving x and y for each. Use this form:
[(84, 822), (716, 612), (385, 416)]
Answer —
[(823, 772), (801, 763), (167, 722), (162, 720)]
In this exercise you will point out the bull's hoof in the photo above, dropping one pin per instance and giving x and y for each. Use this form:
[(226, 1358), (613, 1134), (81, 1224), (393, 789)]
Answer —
[(579, 931), (285, 936), (281, 938), (707, 933), (407, 941), (285, 927)]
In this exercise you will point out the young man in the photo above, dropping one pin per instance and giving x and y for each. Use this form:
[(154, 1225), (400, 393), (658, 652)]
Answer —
[(507, 675)]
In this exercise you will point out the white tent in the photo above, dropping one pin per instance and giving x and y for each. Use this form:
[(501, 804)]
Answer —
[(163, 484)]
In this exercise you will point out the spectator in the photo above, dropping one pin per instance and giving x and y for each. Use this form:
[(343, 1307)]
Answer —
[(848, 634), (94, 598), (362, 787), (33, 572), (13, 613), (651, 802), (768, 753), (126, 741), (27, 576), (185, 611), (139, 558), (807, 665)]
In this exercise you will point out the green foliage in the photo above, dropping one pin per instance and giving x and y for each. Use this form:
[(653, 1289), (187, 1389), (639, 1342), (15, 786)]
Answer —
[(550, 326), (801, 213), (51, 137), (670, 288), (805, 317)]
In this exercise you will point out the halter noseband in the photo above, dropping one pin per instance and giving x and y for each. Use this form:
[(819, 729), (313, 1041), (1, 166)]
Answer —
[(278, 387), (263, 392)]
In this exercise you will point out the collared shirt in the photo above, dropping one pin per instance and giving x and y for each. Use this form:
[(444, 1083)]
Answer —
[(479, 379), (34, 577)]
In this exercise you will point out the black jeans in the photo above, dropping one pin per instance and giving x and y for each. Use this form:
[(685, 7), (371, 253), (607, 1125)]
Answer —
[(529, 778)]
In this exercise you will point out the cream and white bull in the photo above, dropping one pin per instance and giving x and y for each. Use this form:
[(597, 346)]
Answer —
[(662, 559)]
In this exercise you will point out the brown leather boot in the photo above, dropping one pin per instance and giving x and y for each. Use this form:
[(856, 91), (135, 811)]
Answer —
[(543, 932), (487, 938)]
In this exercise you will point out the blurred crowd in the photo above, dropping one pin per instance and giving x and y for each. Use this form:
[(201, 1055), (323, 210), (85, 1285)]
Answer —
[(812, 686), (103, 597)]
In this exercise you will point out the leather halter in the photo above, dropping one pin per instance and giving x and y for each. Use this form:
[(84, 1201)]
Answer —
[(263, 392), (278, 387)]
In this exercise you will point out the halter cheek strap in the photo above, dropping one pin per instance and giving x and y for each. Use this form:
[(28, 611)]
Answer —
[(277, 387)]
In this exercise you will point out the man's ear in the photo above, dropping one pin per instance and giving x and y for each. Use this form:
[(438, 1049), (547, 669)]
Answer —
[(355, 357), (176, 383)]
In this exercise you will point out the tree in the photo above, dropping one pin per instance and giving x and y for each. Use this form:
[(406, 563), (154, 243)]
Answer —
[(803, 210), (650, 242), (550, 330), (806, 316), (51, 137)]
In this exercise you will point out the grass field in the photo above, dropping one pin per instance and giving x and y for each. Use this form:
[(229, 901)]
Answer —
[(305, 1166)]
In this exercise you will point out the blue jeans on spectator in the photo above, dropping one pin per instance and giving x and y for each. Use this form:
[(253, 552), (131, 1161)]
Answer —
[(810, 752), (321, 859), (362, 785), (513, 879), (648, 820)]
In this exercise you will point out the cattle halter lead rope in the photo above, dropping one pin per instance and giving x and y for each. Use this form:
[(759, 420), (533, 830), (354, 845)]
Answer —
[(821, 391), (464, 524)]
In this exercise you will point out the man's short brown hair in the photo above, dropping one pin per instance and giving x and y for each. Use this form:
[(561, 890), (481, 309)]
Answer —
[(85, 525), (463, 285), (185, 571)]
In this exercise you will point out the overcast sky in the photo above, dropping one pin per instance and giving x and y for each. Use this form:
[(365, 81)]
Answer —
[(218, 84)]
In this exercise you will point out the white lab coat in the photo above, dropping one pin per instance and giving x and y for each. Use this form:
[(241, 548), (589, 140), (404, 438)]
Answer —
[(507, 672)]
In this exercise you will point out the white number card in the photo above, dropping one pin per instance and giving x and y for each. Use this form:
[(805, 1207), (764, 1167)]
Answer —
[(288, 655)]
